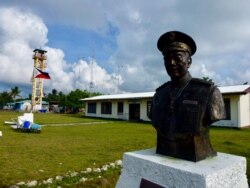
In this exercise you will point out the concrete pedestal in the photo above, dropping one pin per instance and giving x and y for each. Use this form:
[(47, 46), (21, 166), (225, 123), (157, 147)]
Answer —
[(153, 170)]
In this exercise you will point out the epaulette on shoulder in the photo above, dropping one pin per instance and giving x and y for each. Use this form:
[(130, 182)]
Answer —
[(201, 81), (162, 86)]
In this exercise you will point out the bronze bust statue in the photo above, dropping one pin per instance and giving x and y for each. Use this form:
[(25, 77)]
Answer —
[(184, 108)]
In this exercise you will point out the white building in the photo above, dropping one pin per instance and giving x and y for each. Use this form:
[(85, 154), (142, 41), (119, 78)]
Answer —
[(135, 106), (237, 104)]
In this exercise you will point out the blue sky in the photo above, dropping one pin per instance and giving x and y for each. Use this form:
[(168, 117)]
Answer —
[(122, 37), (79, 43)]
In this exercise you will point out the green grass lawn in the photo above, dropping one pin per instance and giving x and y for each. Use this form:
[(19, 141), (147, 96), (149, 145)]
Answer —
[(60, 149)]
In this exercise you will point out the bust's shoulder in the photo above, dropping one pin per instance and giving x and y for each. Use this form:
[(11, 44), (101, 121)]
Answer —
[(199, 81), (165, 85)]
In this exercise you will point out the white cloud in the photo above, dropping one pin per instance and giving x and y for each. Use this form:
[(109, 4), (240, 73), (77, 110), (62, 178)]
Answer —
[(220, 29), (61, 76), (26, 28), (22, 32), (87, 71)]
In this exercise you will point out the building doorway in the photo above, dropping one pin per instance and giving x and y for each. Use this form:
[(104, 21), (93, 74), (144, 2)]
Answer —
[(134, 112)]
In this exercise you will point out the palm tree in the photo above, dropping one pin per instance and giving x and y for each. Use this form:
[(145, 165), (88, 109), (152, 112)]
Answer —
[(15, 91), (206, 78), (4, 98)]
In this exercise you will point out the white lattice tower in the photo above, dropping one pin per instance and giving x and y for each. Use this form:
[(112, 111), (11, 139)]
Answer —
[(39, 57)]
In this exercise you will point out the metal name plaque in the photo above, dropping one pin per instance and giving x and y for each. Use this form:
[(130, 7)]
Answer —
[(148, 184)]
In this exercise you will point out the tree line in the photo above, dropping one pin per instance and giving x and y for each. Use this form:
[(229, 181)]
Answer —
[(7, 97), (66, 101)]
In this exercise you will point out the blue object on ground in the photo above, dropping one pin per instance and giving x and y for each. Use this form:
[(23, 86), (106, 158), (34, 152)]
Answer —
[(30, 127), (36, 126), (26, 124), (43, 110)]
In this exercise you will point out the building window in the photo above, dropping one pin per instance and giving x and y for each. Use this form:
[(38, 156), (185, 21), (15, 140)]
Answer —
[(106, 108), (228, 109), (92, 108), (149, 103), (120, 108)]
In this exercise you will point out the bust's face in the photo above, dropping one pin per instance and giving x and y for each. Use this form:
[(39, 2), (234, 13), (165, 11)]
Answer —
[(177, 64)]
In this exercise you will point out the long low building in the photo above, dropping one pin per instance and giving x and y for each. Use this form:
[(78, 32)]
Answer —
[(136, 106)]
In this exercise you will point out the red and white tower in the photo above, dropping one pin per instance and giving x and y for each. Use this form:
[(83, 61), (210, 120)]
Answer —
[(40, 58)]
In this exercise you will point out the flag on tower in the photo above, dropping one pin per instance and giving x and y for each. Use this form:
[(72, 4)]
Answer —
[(42, 74)]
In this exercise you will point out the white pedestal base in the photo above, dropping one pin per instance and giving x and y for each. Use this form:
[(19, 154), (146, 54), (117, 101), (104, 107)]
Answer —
[(222, 171)]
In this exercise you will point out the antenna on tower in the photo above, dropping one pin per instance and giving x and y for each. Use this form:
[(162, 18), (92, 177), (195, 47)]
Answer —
[(117, 77), (91, 83), (78, 76), (78, 79)]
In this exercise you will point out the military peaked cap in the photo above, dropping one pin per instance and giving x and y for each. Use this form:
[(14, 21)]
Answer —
[(176, 40)]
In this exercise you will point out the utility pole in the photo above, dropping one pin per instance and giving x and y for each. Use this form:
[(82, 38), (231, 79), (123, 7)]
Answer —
[(91, 83), (117, 76)]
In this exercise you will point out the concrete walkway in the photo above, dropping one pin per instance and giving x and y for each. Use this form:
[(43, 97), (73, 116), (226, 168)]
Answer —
[(67, 124)]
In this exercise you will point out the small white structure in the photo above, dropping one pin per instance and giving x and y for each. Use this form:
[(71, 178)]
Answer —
[(25, 117), (145, 168), (26, 106), (136, 106)]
